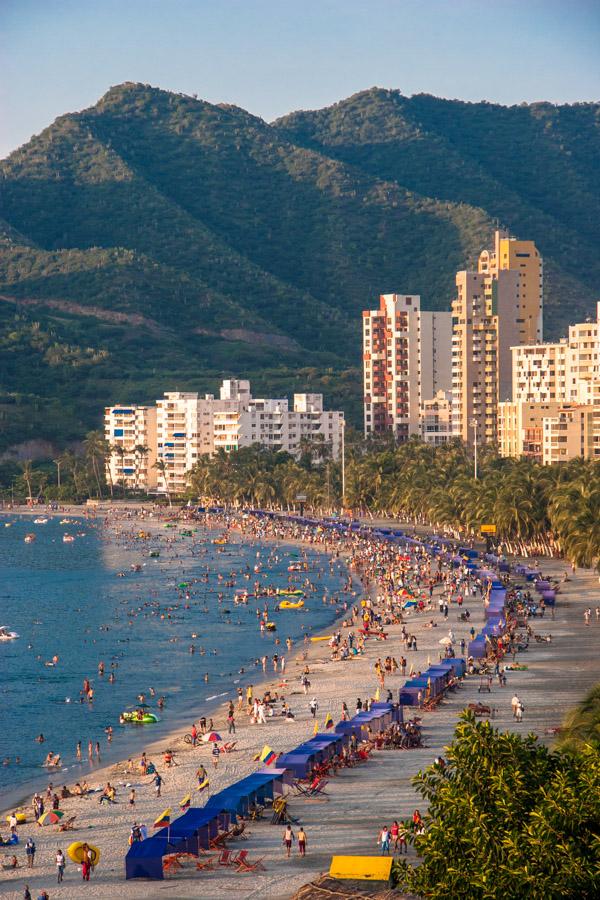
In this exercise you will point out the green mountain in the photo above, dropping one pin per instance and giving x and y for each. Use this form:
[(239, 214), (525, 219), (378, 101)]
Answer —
[(157, 241)]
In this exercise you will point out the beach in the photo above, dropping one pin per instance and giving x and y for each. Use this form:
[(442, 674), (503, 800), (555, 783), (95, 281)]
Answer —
[(360, 800)]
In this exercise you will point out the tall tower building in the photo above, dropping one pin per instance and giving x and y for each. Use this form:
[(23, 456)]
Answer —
[(405, 359), (498, 307), (474, 360)]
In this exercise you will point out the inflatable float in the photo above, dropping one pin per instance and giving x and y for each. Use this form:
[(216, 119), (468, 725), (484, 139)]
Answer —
[(76, 853), (138, 717), (324, 637), (287, 604), (282, 592)]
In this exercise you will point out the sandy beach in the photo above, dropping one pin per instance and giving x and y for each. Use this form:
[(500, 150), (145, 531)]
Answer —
[(359, 800)]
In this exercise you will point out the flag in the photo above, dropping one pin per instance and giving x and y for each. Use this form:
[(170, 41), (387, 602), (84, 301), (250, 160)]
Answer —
[(164, 819), (186, 802), (328, 721), (203, 785), (267, 755), (316, 728)]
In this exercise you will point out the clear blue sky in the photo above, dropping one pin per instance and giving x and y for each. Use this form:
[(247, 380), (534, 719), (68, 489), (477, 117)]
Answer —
[(274, 56)]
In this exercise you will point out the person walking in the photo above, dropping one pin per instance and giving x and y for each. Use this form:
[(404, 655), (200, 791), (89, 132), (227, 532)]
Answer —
[(132, 797), (514, 704), (313, 707), (158, 780), (30, 852), (60, 865), (85, 864), (384, 840), (27, 893), (231, 721), (302, 841), (519, 712), (215, 755), (288, 837)]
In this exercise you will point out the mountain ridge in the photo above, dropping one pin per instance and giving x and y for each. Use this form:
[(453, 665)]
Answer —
[(252, 247)]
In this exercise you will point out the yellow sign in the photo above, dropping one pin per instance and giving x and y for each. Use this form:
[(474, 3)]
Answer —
[(371, 868), (488, 529)]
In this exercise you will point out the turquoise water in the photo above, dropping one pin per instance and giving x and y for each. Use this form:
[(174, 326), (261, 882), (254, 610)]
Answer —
[(67, 600)]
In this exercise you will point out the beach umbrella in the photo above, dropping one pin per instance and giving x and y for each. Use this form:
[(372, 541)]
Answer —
[(211, 737), (51, 817)]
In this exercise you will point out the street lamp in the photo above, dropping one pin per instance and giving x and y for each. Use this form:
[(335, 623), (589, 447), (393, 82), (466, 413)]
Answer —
[(473, 424), (343, 465)]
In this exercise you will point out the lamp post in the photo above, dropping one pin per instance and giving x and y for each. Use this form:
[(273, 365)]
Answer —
[(473, 424), (343, 465)]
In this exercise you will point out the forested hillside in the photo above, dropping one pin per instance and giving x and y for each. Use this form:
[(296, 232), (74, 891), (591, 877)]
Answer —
[(157, 241)]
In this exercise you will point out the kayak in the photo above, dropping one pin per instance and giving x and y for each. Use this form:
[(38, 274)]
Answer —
[(76, 853), (132, 718), (287, 604)]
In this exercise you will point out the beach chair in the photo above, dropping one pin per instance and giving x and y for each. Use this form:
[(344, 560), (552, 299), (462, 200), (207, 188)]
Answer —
[(171, 865), (218, 842), (228, 748), (241, 863), (225, 857), (67, 824), (205, 864)]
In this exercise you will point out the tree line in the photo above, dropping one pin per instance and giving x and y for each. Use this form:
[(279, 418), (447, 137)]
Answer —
[(534, 508)]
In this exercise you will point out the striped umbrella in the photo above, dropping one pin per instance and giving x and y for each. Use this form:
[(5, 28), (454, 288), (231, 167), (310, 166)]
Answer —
[(51, 817)]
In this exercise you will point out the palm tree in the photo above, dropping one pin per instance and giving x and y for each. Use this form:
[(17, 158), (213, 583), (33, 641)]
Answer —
[(95, 451), (161, 467), (140, 452), (27, 473)]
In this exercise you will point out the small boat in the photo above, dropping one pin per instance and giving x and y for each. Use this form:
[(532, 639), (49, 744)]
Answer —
[(29, 538), (6, 635), (7, 524), (288, 604), (65, 521), (154, 554), (41, 520), (68, 538)]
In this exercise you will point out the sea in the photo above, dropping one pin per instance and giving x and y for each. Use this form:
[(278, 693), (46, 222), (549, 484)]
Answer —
[(104, 597)]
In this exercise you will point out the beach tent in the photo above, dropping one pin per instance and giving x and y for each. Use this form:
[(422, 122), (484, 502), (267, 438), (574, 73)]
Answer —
[(187, 834), (256, 788)]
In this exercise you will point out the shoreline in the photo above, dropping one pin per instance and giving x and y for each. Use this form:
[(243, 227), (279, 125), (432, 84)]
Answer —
[(360, 799), (19, 796)]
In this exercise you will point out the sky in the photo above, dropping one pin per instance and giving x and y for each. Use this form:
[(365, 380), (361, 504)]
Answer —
[(275, 56)]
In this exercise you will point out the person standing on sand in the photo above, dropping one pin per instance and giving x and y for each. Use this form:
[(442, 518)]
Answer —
[(288, 837), (132, 797), (231, 720), (215, 755), (384, 840), (60, 865), (302, 841), (514, 704), (158, 780), (30, 852), (519, 712)]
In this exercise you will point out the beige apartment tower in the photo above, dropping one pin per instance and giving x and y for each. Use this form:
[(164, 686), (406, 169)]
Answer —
[(496, 308)]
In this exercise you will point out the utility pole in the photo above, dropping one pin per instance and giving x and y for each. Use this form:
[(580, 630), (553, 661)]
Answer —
[(474, 427)]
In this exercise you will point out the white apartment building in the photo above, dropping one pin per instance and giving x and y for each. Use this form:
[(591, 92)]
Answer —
[(436, 419), (183, 427), (130, 432), (568, 435), (406, 358), (184, 432)]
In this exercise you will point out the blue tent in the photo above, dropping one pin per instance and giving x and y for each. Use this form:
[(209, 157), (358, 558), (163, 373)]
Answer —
[(237, 798), (186, 834)]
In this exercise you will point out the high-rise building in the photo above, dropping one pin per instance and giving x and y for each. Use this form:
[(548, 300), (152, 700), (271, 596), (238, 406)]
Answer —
[(474, 360), (405, 359), (130, 432), (496, 308), (184, 432), (555, 411)]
